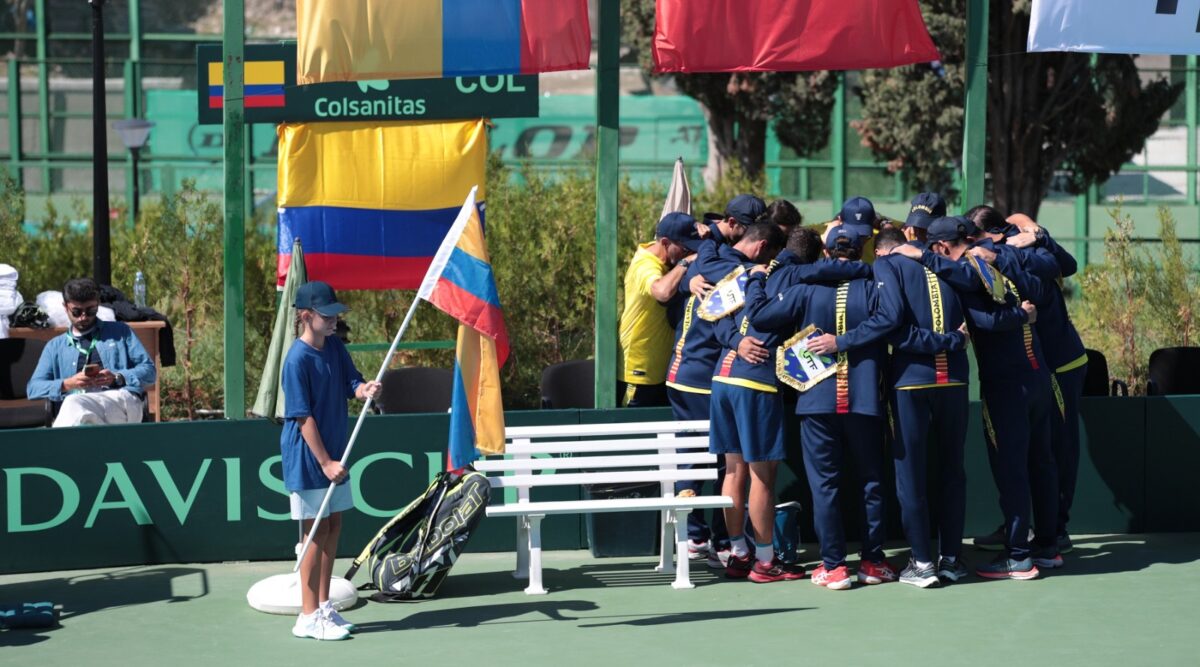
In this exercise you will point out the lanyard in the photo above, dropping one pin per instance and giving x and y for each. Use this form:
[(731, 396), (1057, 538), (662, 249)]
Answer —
[(86, 353)]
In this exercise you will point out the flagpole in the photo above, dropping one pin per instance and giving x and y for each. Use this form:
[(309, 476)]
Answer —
[(354, 434)]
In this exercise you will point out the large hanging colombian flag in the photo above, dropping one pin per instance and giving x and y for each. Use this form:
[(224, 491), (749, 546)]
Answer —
[(788, 35), (460, 283), (356, 40), (371, 202)]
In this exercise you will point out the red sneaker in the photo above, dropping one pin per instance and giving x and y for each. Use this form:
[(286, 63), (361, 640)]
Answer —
[(875, 573), (738, 567), (837, 579), (776, 571)]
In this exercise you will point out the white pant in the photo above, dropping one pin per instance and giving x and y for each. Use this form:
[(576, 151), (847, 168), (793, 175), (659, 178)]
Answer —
[(113, 406)]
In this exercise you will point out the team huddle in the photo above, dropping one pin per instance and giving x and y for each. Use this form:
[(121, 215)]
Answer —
[(869, 325)]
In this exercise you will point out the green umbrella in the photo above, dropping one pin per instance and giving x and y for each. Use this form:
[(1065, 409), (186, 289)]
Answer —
[(269, 403)]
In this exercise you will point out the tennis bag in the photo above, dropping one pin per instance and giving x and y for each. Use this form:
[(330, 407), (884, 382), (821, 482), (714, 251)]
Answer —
[(410, 556)]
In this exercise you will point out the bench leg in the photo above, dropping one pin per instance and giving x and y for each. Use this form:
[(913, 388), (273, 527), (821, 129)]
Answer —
[(535, 556), (666, 557), (682, 578), (522, 571)]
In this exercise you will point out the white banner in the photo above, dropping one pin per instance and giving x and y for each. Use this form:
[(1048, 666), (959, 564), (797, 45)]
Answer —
[(1116, 26)]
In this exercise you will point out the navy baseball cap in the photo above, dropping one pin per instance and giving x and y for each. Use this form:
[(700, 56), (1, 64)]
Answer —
[(950, 228), (926, 207), (320, 297), (743, 208), (859, 212), (680, 228), (843, 235)]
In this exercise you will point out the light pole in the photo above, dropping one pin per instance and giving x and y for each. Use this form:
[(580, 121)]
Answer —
[(134, 132), (100, 242)]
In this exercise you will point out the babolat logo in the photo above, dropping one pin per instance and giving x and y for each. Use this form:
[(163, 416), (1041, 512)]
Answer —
[(1172, 7)]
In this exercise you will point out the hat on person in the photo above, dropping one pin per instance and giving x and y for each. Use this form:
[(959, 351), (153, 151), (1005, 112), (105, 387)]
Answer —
[(859, 213), (680, 228), (926, 207), (845, 236), (743, 208), (320, 297), (950, 228)]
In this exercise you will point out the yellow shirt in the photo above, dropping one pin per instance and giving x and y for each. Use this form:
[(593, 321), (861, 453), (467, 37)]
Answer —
[(646, 337)]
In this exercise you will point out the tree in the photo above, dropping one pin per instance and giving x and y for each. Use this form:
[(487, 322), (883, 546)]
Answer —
[(1048, 113), (738, 106)]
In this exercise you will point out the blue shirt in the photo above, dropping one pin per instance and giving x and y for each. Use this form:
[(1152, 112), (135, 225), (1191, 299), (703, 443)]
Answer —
[(316, 383), (120, 352)]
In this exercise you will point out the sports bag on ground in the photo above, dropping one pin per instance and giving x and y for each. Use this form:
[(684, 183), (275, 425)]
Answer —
[(410, 556)]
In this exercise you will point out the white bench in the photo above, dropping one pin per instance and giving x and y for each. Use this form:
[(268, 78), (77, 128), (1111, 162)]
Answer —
[(541, 456)]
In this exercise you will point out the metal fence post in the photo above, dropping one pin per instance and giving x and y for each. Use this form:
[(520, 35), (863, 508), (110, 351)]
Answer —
[(974, 164), (837, 145), (608, 105), (235, 210), (14, 120)]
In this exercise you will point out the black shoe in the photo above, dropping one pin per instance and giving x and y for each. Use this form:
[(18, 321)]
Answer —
[(953, 570), (1064, 544), (1046, 557), (994, 541), (921, 577)]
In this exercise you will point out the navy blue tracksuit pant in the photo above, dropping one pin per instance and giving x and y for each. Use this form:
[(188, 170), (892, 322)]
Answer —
[(1065, 439), (1016, 422), (825, 439), (914, 411), (687, 405)]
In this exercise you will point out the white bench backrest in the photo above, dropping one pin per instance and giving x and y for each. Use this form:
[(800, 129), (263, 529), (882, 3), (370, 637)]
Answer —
[(656, 447)]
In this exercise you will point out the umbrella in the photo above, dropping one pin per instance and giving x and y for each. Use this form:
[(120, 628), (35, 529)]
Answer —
[(679, 197), (269, 403)]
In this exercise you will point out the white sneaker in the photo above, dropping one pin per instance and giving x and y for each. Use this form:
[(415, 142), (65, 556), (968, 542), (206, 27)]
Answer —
[(316, 626), (337, 619)]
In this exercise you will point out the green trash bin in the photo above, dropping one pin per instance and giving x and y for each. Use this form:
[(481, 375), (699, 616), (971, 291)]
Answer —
[(615, 534)]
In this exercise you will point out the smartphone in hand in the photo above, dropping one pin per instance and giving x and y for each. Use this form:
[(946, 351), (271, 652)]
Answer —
[(91, 370)]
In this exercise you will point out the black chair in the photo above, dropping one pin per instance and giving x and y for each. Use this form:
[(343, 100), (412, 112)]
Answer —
[(18, 359), (570, 384), (415, 389), (1096, 381), (1174, 370)]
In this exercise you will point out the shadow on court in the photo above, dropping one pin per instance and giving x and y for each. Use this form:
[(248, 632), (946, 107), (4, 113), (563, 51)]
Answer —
[(552, 610), (87, 593)]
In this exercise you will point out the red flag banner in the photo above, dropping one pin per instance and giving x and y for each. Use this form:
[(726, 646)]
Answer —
[(789, 35)]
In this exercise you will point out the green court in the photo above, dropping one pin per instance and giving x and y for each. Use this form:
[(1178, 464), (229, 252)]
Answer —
[(1120, 600)]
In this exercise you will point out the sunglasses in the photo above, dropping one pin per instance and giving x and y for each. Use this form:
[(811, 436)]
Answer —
[(79, 312)]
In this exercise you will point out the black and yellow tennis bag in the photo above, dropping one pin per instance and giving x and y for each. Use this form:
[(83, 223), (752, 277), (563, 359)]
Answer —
[(410, 556)]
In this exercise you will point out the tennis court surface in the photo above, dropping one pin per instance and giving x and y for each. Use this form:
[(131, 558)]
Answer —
[(1120, 600)]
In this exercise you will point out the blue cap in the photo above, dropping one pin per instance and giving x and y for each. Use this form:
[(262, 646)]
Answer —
[(926, 207), (320, 297), (843, 235), (859, 213), (743, 208), (952, 228), (680, 228)]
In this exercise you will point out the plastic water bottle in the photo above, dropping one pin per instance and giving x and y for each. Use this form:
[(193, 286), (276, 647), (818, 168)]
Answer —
[(139, 290)]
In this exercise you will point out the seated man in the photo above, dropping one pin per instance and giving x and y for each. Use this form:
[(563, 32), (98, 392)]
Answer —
[(99, 370)]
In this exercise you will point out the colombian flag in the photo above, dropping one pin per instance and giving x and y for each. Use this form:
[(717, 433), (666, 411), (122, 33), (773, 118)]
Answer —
[(371, 202), (460, 283), (788, 35), (356, 40), (264, 84)]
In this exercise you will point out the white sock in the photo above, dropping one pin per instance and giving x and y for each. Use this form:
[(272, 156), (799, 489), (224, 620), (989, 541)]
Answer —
[(765, 553), (738, 546), (923, 565), (325, 605)]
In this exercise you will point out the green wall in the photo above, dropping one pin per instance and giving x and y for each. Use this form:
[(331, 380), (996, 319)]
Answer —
[(210, 490)]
